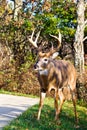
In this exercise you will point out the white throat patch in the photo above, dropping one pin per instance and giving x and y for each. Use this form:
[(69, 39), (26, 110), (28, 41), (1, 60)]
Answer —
[(43, 72)]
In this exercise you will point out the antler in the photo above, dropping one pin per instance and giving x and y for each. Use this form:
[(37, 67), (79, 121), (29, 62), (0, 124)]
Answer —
[(53, 50), (34, 43), (58, 38)]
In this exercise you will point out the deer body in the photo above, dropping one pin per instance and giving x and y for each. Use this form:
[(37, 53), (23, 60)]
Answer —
[(57, 75)]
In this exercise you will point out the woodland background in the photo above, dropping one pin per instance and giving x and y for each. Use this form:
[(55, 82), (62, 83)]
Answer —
[(17, 55)]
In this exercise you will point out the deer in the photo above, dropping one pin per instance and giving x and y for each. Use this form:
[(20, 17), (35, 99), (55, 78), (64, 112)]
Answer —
[(54, 74)]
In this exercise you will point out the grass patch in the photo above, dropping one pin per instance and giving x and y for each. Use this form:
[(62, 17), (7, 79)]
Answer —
[(16, 94), (27, 121)]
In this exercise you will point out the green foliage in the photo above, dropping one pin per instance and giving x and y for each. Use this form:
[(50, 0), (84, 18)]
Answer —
[(60, 17), (29, 61), (27, 25), (49, 24)]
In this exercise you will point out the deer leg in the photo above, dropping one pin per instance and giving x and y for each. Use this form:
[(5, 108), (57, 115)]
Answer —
[(73, 94), (74, 104), (62, 99), (56, 104), (42, 96)]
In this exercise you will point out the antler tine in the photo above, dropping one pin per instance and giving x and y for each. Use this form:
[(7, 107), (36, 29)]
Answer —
[(34, 43), (53, 50), (58, 38), (32, 34), (37, 36)]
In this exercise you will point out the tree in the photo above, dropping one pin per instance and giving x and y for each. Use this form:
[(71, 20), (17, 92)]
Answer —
[(79, 36), (16, 6)]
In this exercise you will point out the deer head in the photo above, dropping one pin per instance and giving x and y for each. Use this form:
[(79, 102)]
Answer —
[(44, 58)]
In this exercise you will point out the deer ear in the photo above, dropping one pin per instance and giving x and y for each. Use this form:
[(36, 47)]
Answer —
[(55, 55)]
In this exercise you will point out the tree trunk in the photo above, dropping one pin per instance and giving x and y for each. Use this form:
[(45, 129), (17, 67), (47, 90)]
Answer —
[(78, 44), (17, 7)]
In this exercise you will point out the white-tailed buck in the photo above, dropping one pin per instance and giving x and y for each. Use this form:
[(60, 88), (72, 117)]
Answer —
[(57, 75)]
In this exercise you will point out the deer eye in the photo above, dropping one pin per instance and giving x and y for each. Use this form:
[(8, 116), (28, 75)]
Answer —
[(45, 59)]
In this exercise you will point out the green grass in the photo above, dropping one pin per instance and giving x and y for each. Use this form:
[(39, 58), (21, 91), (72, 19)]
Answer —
[(16, 94), (27, 121)]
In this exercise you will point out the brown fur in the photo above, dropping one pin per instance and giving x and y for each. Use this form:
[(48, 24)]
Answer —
[(62, 78)]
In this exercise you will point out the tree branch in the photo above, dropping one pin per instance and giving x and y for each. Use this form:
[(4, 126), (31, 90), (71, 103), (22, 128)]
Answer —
[(84, 38), (85, 22), (85, 4)]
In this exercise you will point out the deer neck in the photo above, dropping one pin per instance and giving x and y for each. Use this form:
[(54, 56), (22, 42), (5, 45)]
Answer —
[(43, 72)]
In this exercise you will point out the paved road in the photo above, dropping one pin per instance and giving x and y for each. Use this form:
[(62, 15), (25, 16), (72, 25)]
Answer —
[(12, 106)]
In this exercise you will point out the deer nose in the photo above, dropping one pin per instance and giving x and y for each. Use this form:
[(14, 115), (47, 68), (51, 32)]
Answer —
[(36, 66)]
